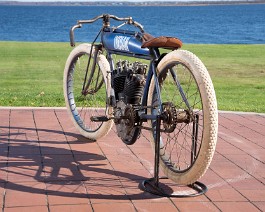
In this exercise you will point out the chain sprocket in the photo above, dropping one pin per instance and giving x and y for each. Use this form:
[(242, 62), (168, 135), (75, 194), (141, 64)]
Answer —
[(169, 117), (126, 126)]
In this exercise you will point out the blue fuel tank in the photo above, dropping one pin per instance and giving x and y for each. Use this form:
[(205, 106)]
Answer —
[(124, 43)]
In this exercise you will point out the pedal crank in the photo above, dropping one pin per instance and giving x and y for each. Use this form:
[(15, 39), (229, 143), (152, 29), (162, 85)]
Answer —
[(105, 118), (99, 118)]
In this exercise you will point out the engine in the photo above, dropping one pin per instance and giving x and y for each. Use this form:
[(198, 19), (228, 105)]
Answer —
[(128, 83)]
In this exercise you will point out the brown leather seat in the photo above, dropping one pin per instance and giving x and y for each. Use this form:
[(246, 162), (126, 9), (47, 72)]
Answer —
[(161, 42)]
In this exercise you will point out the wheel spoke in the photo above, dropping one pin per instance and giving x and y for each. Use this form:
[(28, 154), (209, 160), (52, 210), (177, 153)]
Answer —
[(179, 90), (90, 102)]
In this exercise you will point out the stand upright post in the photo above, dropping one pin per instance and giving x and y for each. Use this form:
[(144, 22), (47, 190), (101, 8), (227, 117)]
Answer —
[(157, 151), (153, 183)]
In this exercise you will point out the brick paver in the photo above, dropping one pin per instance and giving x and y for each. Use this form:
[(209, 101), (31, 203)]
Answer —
[(45, 165)]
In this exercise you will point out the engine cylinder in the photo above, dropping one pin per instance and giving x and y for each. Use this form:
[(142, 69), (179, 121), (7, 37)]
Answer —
[(129, 81), (119, 82), (133, 89)]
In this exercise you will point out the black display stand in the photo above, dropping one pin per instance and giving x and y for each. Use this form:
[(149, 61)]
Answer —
[(153, 186)]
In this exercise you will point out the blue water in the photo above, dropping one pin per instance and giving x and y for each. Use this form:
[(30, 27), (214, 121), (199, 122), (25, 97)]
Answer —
[(192, 24)]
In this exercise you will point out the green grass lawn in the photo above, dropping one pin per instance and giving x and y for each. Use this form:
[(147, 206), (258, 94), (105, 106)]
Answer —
[(238, 74), (31, 74)]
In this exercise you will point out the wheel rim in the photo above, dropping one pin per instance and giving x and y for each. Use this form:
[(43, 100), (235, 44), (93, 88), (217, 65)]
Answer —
[(84, 105), (179, 146)]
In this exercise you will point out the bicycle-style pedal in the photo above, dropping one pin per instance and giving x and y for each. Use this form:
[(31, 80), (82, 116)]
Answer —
[(99, 118)]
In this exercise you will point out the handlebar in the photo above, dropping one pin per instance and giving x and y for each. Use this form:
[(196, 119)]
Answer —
[(106, 23), (103, 16)]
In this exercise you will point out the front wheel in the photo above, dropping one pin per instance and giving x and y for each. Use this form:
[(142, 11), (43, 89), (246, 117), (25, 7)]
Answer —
[(188, 106), (87, 98)]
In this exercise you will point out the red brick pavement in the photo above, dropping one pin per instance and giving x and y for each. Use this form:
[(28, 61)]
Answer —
[(45, 165)]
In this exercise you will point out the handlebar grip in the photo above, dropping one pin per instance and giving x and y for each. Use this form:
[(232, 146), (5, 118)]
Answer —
[(119, 19), (135, 23), (72, 37)]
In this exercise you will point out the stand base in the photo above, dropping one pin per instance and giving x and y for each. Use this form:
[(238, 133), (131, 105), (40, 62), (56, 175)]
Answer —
[(196, 189)]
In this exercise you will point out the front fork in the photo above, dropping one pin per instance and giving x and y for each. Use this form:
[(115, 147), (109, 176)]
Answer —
[(87, 79), (96, 58)]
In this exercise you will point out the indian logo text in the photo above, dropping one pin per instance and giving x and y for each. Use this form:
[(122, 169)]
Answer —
[(121, 43)]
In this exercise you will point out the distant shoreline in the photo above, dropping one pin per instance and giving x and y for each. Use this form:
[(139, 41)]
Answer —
[(143, 3)]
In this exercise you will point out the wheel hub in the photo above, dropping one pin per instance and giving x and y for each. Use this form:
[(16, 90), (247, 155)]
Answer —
[(169, 117)]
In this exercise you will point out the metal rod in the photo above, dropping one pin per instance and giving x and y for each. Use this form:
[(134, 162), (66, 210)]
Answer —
[(182, 93), (86, 85), (194, 137), (89, 59), (148, 117), (157, 151), (196, 134)]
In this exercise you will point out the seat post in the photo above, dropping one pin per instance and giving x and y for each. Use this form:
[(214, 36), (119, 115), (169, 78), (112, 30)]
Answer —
[(154, 53)]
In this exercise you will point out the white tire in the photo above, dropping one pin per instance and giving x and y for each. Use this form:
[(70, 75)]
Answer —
[(191, 90), (82, 107)]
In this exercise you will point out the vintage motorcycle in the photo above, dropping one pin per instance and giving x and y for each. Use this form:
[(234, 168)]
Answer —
[(137, 81)]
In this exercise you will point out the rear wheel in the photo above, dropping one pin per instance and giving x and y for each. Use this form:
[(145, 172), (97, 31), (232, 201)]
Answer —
[(189, 110), (82, 104)]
